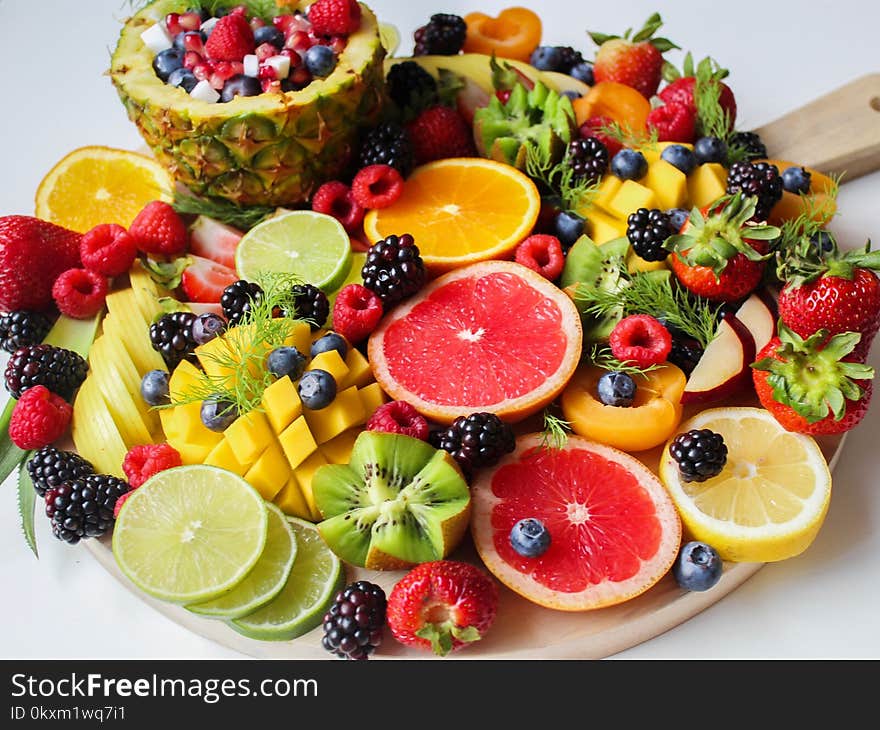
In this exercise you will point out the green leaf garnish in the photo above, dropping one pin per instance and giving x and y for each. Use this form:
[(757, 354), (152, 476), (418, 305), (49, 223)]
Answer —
[(27, 504), (555, 433), (623, 133), (559, 179), (242, 217), (602, 357)]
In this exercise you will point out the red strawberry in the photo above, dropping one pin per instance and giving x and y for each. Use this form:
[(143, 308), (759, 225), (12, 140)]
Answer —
[(840, 294), (592, 127), (440, 132), (641, 339), (673, 122), (335, 17), (636, 61), (204, 280), (158, 229), (718, 255), (214, 240), (813, 385), (231, 40), (681, 89), (33, 253), (442, 605)]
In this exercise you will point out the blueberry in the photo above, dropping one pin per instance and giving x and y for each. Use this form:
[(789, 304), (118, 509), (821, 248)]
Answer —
[(616, 388), (681, 157), (240, 85), (796, 180), (546, 58), (320, 60), (677, 217), (207, 326), (629, 164), (698, 567), (269, 34), (167, 61), (330, 341), (583, 72), (218, 413), (710, 149), (823, 242), (317, 389), (568, 227), (530, 537), (183, 78), (154, 388), (286, 361)]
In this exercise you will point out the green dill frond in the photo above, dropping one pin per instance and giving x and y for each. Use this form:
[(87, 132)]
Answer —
[(555, 433), (712, 119), (626, 136), (559, 178), (602, 357)]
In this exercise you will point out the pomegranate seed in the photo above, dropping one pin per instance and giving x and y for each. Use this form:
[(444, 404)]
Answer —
[(237, 67), (217, 81), (190, 21), (267, 73), (257, 23), (300, 76), (282, 22), (172, 23), (295, 58), (337, 44), (298, 41), (264, 51), (193, 42), (191, 59), (201, 71)]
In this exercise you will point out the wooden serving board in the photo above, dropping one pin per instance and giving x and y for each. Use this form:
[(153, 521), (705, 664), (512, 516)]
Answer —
[(838, 133)]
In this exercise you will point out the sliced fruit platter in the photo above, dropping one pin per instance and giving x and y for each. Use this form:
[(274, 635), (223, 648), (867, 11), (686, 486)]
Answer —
[(381, 355)]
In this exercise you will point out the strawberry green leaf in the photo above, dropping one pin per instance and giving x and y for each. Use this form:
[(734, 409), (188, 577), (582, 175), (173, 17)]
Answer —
[(439, 635), (468, 634)]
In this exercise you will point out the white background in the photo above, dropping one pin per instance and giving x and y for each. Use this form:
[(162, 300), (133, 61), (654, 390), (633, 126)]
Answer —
[(822, 604)]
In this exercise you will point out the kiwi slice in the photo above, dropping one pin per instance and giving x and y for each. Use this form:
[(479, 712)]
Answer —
[(398, 502)]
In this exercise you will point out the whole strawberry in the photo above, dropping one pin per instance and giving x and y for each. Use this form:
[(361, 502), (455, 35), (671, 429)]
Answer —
[(635, 60), (440, 132), (33, 253), (718, 255), (442, 605), (231, 40), (838, 292), (698, 87), (814, 385)]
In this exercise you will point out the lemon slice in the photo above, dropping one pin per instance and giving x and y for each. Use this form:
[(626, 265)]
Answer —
[(770, 499)]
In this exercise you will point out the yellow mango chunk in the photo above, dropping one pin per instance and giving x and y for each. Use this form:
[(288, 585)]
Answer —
[(185, 377), (668, 183), (635, 263), (332, 362), (192, 453), (338, 449), (372, 396), (706, 184), (291, 501), (270, 472), (222, 456), (345, 411), (297, 442), (249, 435), (607, 190), (281, 403), (652, 152), (602, 227), (304, 474), (186, 426), (300, 336), (359, 371), (630, 197)]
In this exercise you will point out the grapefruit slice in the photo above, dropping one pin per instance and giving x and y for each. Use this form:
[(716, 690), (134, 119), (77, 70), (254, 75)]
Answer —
[(493, 336), (614, 531)]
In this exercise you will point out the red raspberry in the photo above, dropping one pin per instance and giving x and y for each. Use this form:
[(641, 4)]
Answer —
[(335, 198), (335, 17), (440, 132), (39, 418), (158, 229), (231, 40), (542, 253), (377, 186), (398, 416), (641, 339), (80, 293), (119, 502), (356, 312), (591, 127), (107, 249), (674, 123), (141, 462)]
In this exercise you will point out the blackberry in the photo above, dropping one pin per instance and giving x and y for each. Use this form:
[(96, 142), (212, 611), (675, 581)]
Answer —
[(393, 269), (699, 453), (83, 508), (588, 158), (353, 625), (410, 86), (61, 371), (23, 328), (172, 337), (758, 179), (388, 144), (685, 354), (647, 231), (50, 468), (442, 36), (750, 144), (475, 441), (237, 298), (311, 304), (568, 59)]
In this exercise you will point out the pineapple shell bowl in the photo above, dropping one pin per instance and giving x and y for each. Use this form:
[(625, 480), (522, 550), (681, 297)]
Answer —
[(272, 149)]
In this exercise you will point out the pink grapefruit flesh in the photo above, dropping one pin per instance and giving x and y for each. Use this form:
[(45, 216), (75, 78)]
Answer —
[(493, 336), (614, 531)]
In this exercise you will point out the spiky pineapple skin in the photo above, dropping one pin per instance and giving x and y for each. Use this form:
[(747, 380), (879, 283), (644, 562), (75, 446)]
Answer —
[(272, 149)]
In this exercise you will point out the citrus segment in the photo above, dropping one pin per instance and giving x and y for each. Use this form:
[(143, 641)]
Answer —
[(614, 531), (770, 499), (94, 184), (460, 211), (190, 534), (493, 336)]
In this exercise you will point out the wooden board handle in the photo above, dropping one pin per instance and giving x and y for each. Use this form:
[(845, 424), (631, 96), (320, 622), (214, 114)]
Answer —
[(838, 133)]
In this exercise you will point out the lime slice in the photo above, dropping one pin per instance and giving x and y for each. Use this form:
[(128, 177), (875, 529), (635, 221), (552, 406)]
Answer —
[(309, 245), (190, 534), (266, 579), (390, 38), (316, 577)]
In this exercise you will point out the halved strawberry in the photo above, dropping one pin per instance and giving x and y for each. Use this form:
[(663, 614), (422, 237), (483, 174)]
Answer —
[(204, 280), (214, 240)]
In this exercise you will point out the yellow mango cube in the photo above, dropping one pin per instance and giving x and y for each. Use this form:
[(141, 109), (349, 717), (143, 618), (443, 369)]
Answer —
[(291, 501), (338, 449), (187, 426), (192, 453), (281, 403), (372, 396), (345, 411), (603, 227), (297, 442), (359, 371), (185, 378), (249, 435), (668, 183), (653, 152), (607, 190), (270, 472), (304, 474), (332, 362), (706, 184), (300, 336), (222, 456), (630, 197)]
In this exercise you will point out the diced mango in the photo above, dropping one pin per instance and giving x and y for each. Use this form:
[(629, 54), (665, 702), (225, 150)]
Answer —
[(706, 184), (222, 456), (630, 197), (190, 452), (653, 152), (304, 474), (668, 183), (635, 263), (270, 472), (281, 403), (602, 227), (332, 362), (338, 449), (345, 411), (359, 371), (372, 396), (185, 378), (300, 336), (249, 435), (297, 442), (607, 190), (291, 501)]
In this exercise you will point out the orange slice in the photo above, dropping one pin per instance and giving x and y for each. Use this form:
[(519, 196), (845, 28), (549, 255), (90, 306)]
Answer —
[(93, 185), (460, 211)]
